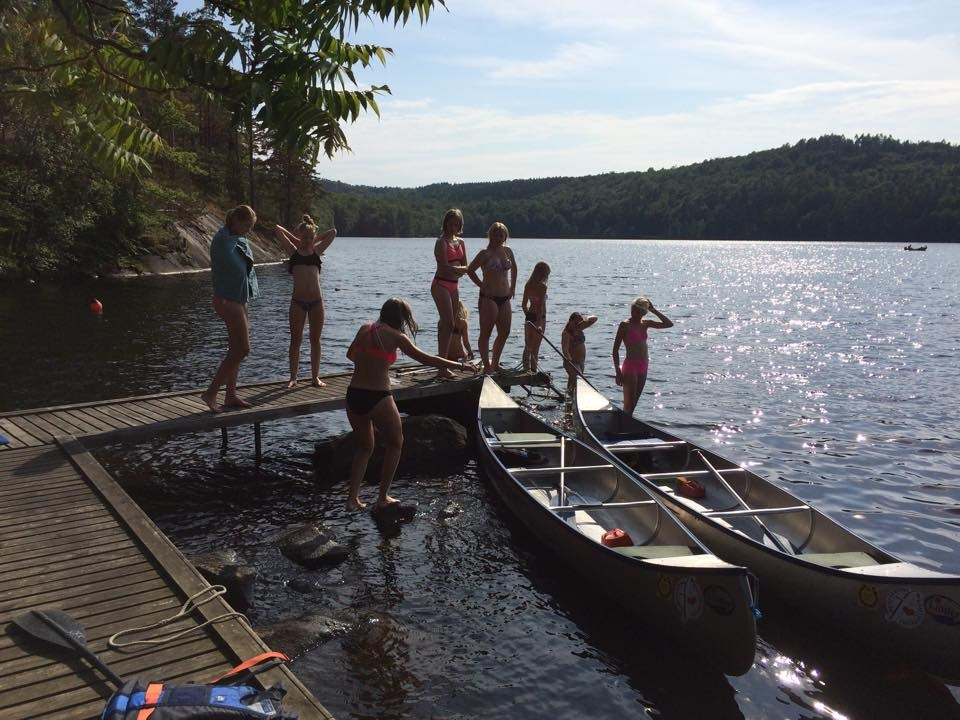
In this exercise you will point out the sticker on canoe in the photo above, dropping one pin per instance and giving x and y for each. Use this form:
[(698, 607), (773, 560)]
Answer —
[(688, 598), (942, 609), (868, 597), (905, 608), (719, 600), (664, 586)]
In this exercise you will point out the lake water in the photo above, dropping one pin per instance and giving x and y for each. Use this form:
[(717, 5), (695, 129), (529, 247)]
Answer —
[(830, 368)]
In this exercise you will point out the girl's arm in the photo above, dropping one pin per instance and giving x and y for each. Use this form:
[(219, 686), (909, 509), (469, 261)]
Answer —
[(664, 323), (410, 350), (616, 352), (524, 304), (472, 268), (284, 234), (565, 344), (586, 322), (513, 277), (325, 240), (465, 334)]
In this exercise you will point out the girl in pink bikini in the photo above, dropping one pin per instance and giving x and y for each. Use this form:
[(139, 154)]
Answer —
[(369, 398), (451, 255), (632, 375)]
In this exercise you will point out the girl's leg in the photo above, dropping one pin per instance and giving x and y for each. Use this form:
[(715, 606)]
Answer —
[(297, 319), (630, 395), (537, 341), (504, 318), (317, 316), (362, 450), (446, 301), (487, 310), (234, 316), (529, 337), (386, 418)]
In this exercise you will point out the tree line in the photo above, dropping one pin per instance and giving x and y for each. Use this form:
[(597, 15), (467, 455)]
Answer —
[(869, 188)]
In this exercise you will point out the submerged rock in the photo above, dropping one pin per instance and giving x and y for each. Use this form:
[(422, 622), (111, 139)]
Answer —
[(296, 636), (433, 445), (224, 567), (312, 546)]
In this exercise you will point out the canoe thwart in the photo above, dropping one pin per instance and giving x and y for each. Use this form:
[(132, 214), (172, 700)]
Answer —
[(757, 511), (554, 470), (687, 473), (651, 552), (601, 506)]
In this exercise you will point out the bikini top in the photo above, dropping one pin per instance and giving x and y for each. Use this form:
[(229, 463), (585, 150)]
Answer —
[(576, 338), (635, 335), (456, 253), (498, 264), (312, 259), (369, 347)]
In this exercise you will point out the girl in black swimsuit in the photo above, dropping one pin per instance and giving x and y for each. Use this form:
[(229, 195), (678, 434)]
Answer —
[(572, 343), (307, 300)]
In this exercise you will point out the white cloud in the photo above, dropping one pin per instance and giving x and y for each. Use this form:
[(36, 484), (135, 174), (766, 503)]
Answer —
[(568, 61), (417, 147)]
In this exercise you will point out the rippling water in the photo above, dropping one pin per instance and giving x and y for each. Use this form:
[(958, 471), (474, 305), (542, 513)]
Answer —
[(831, 369)]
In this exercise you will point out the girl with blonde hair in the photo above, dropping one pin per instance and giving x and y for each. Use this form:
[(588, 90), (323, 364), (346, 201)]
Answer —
[(534, 306), (632, 333), (497, 288), (450, 253), (307, 301)]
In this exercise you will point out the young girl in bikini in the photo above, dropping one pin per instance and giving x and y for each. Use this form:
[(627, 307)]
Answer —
[(307, 300), (534, 306), (498, 286), (451, 256), (572, 343), (369, 399), (632, 376), (459, 347)]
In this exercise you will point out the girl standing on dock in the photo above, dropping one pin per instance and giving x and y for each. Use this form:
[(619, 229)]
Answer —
[(369, 398), (534, 306), (497, 288), (573, 345), (234, 284), (632, 376), (451, 255), (307, 300)]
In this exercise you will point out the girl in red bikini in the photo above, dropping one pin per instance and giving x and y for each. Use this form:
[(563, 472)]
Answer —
[(632, 375), (498, 286), (451, 255), (369, 399), (534, 307), (307, 300)]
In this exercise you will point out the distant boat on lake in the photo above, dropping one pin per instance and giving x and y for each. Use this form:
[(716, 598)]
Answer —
[(911, 247)]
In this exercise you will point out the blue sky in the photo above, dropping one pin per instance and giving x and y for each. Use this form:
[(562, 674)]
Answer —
[(502, 89)]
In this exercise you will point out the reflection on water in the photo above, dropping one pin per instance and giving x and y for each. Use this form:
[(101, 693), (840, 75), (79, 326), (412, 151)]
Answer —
[(830, 369)]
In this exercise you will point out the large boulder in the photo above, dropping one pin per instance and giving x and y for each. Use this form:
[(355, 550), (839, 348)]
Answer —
[(433, 445)]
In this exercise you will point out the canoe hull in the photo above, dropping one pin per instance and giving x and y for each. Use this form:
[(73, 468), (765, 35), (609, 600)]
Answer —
[(906, 612), (700, 602)]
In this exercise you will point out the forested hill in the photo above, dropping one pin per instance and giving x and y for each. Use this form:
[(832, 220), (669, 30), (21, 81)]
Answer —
[(828, 189)]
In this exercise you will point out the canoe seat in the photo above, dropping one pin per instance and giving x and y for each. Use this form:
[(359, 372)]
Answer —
[(652, 552), (514, 437), (840, 560)]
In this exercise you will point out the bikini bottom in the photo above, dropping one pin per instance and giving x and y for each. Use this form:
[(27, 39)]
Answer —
[(451, 285), (362, 402), (306, 305), (498, 299), (635, 367)]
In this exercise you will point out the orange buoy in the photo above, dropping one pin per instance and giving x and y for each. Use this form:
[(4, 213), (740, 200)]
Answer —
[(96, 307)]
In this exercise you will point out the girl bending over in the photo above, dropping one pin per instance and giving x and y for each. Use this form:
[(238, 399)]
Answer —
[(459, 346), (369, 399)]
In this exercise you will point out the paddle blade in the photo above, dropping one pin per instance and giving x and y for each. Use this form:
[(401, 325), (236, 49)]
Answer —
[(52, 626)]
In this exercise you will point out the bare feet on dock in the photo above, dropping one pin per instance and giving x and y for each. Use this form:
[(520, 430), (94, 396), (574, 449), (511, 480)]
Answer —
[(210, 399), (386, 502), (236, 402), (355, 505), (292, 383), (317, 382)]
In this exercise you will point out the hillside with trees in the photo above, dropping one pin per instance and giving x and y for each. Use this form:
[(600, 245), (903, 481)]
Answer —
[(119, 118), (832, 188)]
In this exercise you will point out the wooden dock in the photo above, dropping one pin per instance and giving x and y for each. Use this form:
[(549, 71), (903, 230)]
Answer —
[(72, 539)]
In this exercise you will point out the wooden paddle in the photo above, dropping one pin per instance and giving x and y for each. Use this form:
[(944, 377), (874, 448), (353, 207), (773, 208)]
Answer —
[(55, 627)]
